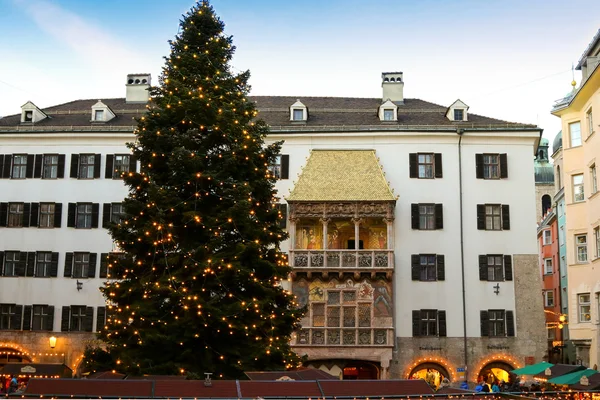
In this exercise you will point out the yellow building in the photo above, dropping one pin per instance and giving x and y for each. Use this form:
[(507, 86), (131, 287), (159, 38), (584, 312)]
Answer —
[(580, 116)]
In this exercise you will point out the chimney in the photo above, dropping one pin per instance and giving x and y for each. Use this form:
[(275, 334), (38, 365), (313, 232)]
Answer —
[(137, 88), (393, 87)]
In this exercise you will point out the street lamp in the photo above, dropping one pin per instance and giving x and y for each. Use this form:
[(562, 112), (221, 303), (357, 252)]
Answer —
[(52, 342)]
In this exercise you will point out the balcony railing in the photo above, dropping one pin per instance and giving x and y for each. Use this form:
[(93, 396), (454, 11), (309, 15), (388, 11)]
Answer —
[(342, 259), (344, 337)]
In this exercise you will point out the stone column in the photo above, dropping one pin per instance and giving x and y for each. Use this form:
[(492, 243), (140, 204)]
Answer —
[(390, 233), (292, 233), (325, 222), (357, 222)]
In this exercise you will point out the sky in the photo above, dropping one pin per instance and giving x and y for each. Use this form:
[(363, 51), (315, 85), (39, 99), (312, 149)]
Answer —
[(507, 59)]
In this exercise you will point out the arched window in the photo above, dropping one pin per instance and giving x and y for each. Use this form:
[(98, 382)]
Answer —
[(546, 203)]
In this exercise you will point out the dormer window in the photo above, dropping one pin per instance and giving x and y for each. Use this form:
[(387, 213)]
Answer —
[(28, 117), (31, 114), (388, 115), (388, 112), (459, 115), (99, 115), (101, 112), (457, 111), (298, 112)]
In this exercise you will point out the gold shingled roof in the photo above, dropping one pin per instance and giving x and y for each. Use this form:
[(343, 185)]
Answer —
[(342, 175)]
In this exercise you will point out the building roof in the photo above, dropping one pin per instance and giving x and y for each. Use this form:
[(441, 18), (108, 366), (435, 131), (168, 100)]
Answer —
[(325, 113), (342, 175), (557, 142), (89, 387), (589, 51), (304, 374)]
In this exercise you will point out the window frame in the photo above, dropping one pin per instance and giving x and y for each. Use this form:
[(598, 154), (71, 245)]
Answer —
[(21, 167), (275, 168), (46, 220), (86, 166), (495, 270), (81, 265), (428, 269), (493, 215), (14, 258), (581, 305), (590, 121), (15, 217), (7, 311), (497, 326), (39, 319), (547, 237), (578, 195), (581, 248), (50, 169), (297, 112), (77, 318), (461, 113), (120, 166), (43, 264), (388, 114), (427, 218), (428, 323), (546, 265), (424, 166), (577, 142), (491, 169), (85, 215), (120, 215), (597, 240), (549, 300), (99, 113), (28, 117), (594, 179)]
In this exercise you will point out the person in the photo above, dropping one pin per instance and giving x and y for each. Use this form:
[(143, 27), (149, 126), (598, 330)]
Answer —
[(485, 387), (464, 385), (479, 388), (495, 387), (14, 384)]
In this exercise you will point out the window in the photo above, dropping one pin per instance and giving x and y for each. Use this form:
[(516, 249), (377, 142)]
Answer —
[(548, 267), (425, 165), (575, 134), (19, 167), (15, 215), (50, 166), (43, 264), (81, 263), (77, 318), (28, 116), (46, 215), (597, 240), (458, 115), (426, 216), (117, 215), (121, 165), (551, 331), (558, 178), (341, 309), (578, 193), (581, 248), (84, 216), (548, 298), (594, 178), (388, 115), (547, 237), (429, 322), (275, 168), (41, 318), (496, 321), (11, 263), (428, 267), (99, 115), (583, 302), (298, 114), (493, 217), (495, 268), (491, 166), (86, 166), (590, 121), (8, 313)]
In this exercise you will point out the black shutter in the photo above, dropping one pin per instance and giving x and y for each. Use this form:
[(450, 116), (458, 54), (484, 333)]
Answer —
[(413, 168), (54, 265), (22, 264), (37, 167), (485, 323), (100, 318), (132, 164), (30, 269), (481, 216), (285, 166), (92, 265), (416, 323), (66, 315), (95, 212), (438, 165), (108, 170), (442, 323), (106, 208), (26, 214), (441, 268), (61, 166), (97, 158), (503, 166), (29, 166), (15, 319), (49, 324), (483, 267), (7, 164), (3, 214), (103, 265), (439, 216), (27, 311), (71, 215), (74, 166), (34, 214), (1, 165), (414, 216), (88, 320), (510, 323), (508, 272), (479, 166), (415, 263), (1, 263), (505, 217), (57, 214), (68, 265)]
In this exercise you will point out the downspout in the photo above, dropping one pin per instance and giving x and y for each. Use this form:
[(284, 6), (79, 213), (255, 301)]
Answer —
[(462, 255)]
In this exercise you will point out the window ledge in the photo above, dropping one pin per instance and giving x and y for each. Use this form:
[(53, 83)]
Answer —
[(589, 136), (573, 147), (594, 195)]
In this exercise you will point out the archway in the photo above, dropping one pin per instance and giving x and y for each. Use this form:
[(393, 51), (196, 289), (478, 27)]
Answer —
[(496, 371), (12, 355), (430, 372), (546, 203)]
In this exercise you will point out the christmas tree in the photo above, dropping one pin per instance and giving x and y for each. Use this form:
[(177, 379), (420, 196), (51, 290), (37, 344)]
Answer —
[(197, 285)]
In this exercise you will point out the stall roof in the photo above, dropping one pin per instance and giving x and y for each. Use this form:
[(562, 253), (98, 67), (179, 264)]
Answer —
[(36, 370), (558, 370)]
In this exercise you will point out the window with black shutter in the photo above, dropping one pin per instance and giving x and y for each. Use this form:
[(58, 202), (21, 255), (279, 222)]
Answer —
[(65, 319), (37, 166), (6, 166), (30, 166), (495, 267), (57, 215), (442, 323), (508, 270), (61, 166), (493, 217), (30, 268), (43, 318), (427, 216), (103, 265), (3, 214), (10, 316), (100, 319), (484, 323), (68, 270), (429, 323)]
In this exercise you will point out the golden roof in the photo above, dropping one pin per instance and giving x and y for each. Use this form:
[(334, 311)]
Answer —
[(342, 175)]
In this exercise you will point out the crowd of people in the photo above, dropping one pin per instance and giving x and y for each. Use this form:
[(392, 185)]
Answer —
[(10, 385)]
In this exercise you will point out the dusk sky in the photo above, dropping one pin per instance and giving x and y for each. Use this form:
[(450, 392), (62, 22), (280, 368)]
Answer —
[(505, 59)]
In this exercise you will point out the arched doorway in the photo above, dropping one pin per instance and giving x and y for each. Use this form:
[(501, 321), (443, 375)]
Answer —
[(12, 355), (496, 371), (432, 373)]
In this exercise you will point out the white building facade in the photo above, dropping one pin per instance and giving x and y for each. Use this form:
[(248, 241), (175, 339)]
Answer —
[(412, 230)]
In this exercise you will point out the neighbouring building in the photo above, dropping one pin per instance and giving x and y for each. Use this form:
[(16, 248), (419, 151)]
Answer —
[(408, 245), (544, 180), (576, 159)]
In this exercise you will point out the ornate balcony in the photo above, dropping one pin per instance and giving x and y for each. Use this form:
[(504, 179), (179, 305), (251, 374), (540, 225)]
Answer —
[(342, 259), (375, 337)]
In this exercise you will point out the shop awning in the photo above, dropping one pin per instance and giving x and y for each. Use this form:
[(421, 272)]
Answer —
[(533, 369), (37, 370), (558, 370), (573, 377), (342, 175)]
